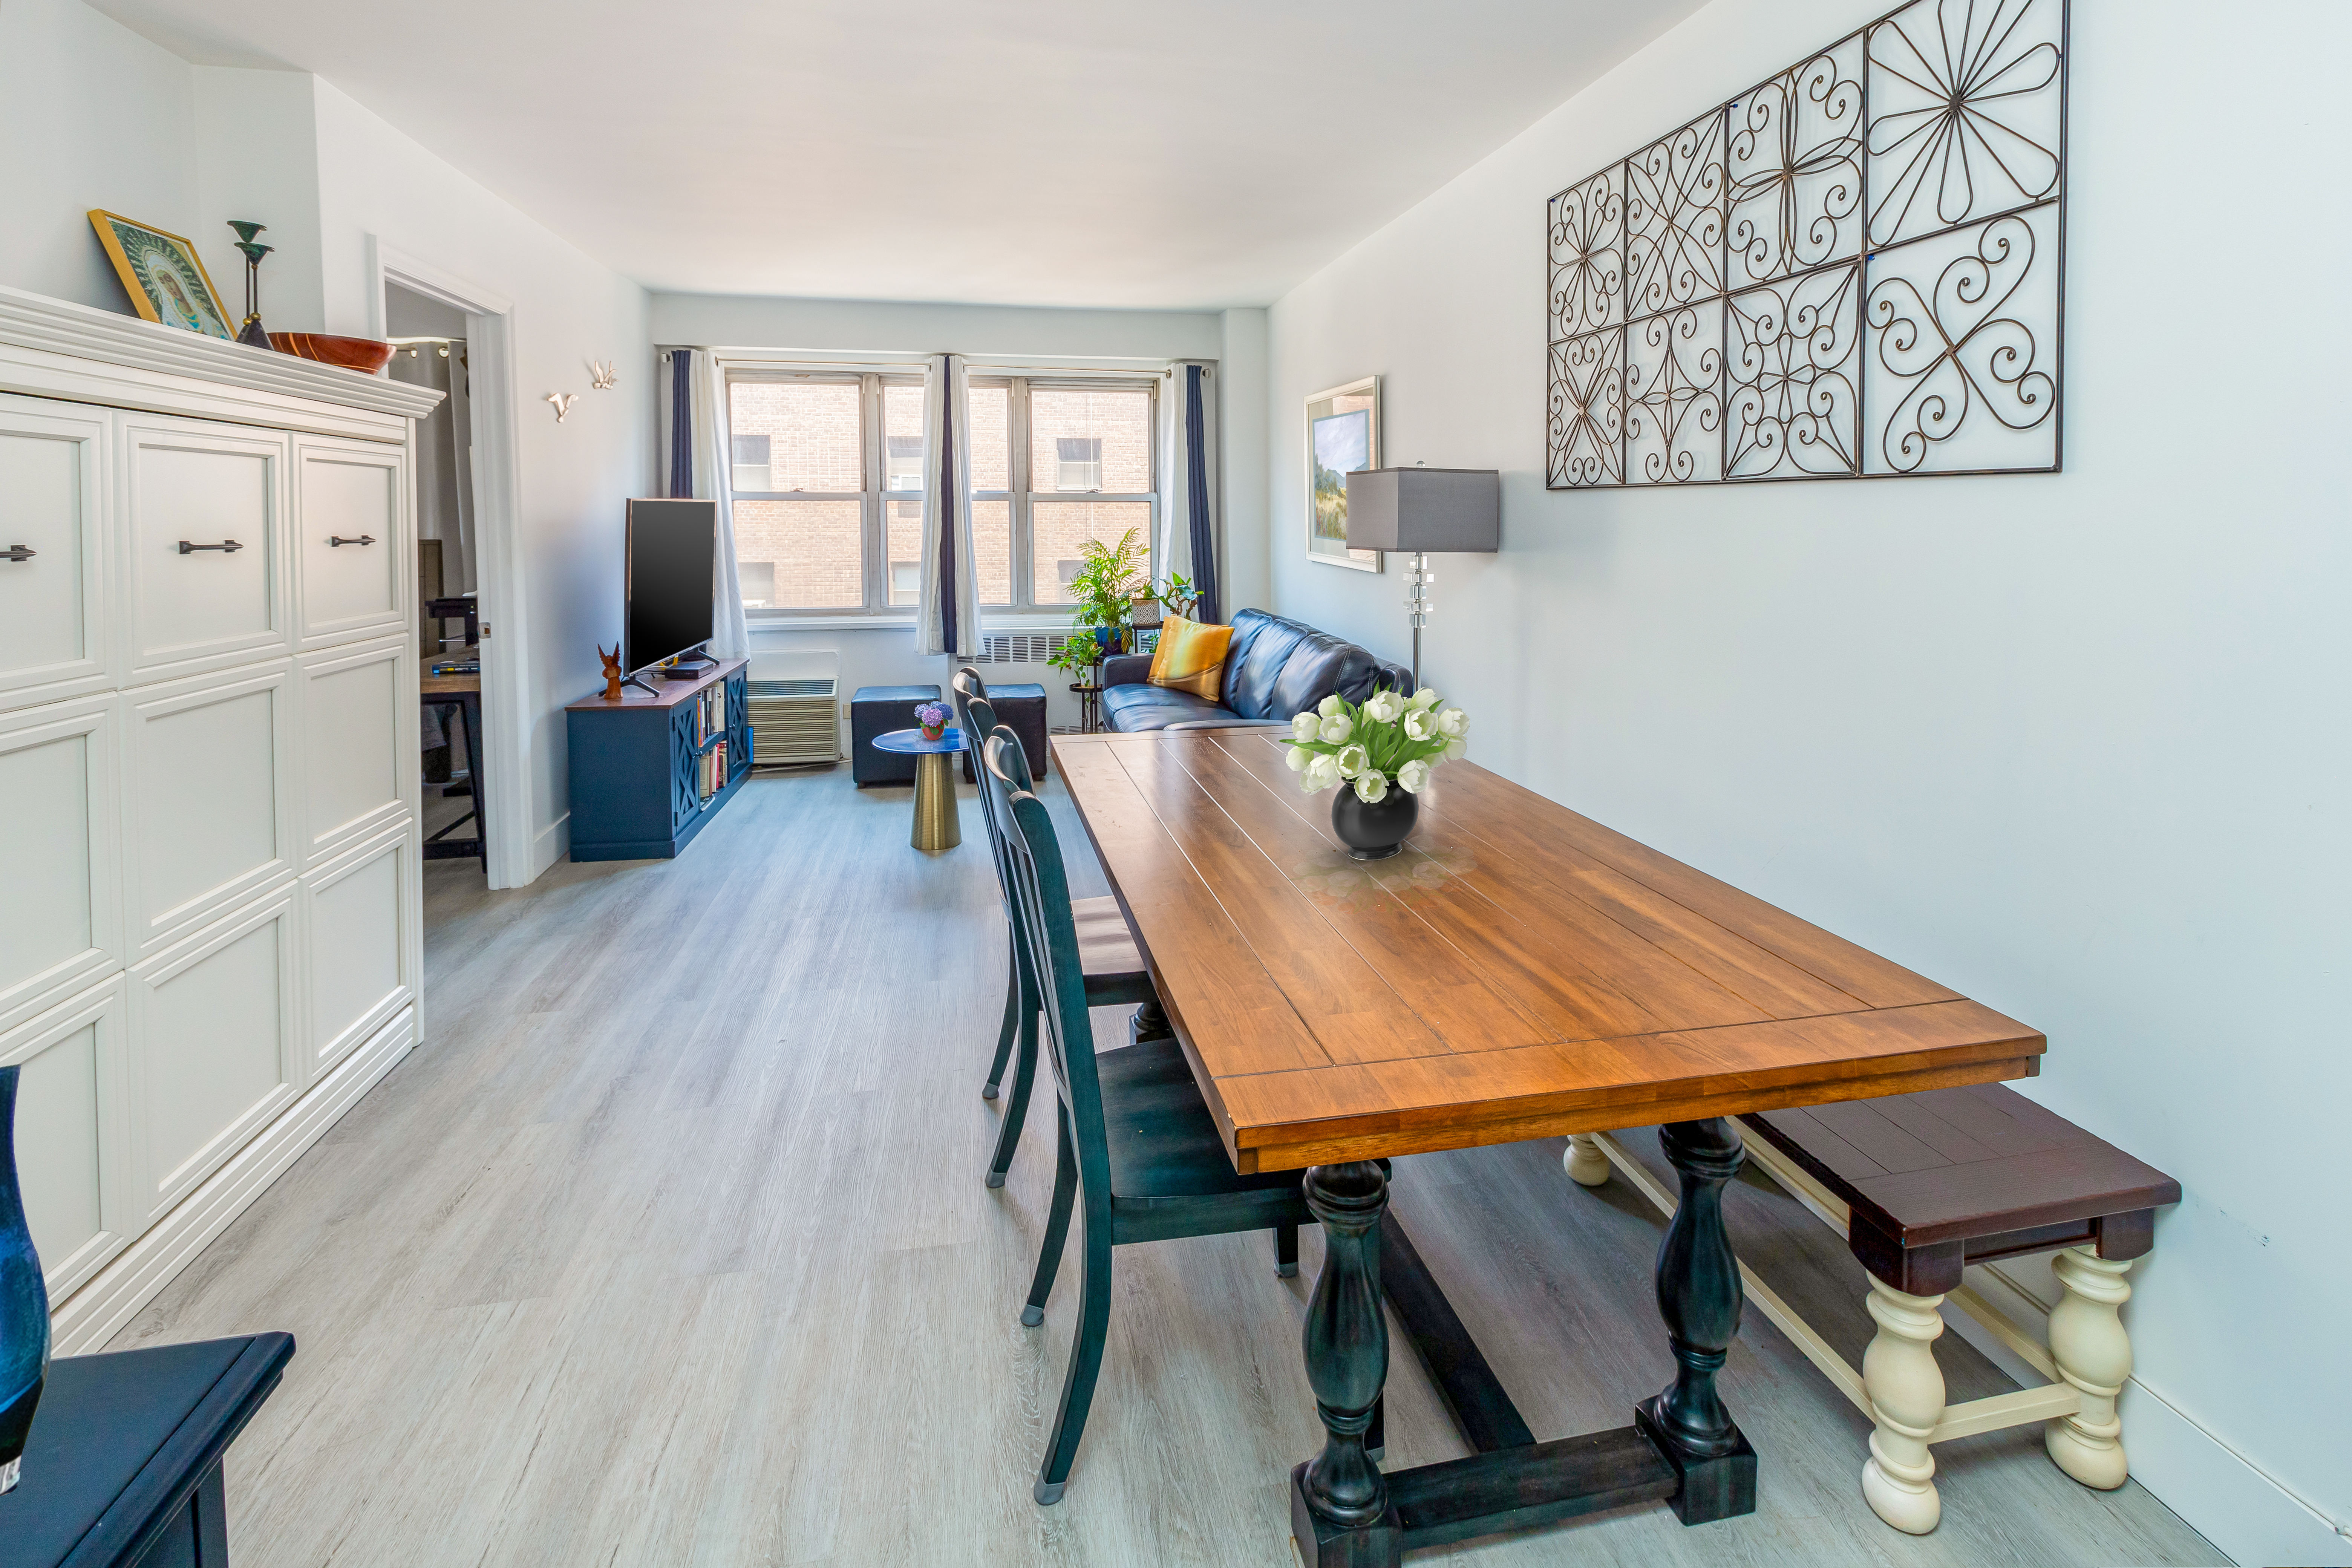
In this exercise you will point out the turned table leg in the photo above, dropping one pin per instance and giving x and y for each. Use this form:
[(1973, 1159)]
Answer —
[(1907, 1399), (936, 819), (1340, 1513), (1699, 1297), (2093, 1354)]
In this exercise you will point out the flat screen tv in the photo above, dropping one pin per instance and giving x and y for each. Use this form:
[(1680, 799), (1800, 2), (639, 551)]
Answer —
[(672, 547)]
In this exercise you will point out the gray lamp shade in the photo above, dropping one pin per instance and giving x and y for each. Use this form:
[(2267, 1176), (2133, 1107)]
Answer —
[(1442, 511)]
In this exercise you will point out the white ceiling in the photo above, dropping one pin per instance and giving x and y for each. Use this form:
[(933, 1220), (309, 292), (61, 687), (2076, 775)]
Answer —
[(1192, 155)]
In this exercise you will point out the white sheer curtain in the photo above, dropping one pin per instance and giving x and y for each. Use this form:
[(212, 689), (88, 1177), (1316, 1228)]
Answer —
[(714, 457), (1188, 488), (947, 619)]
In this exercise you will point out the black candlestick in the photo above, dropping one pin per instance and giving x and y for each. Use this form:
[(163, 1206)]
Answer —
[(251, 331)]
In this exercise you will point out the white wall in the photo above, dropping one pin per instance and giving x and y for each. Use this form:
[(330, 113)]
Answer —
[(2073, 744), (258, 161), (572, 477), (91, 115), (886, 656)]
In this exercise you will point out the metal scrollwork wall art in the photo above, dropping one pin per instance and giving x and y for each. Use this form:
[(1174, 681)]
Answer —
[(1852, 271)]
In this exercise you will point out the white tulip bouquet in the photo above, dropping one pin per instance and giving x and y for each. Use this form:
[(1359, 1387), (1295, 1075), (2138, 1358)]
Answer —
[(1388, 739)]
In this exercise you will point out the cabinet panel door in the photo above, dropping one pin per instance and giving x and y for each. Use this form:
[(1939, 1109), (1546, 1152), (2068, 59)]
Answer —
[(207, 798), (213, 1056), (60, 910), (353, 492), (70, 1134), (56, 637), (189, 483), (363, 966), (358, 716)]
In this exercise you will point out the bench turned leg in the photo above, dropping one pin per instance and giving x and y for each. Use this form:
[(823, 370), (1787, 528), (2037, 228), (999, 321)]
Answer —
[(1586, 1166), (1907, 1399), (2093, 1354)]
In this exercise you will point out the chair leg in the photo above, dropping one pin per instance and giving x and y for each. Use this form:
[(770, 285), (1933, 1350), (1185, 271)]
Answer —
[(1057, 1223), (1086, 1364), (1285, 1251), (1004, 1037), (1016, 1109)]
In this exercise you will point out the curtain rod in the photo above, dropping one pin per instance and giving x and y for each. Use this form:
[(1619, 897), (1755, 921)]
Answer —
[(895, 358)]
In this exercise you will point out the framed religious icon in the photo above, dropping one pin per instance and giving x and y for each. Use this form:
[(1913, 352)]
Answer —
[(1343, 434), (162, 274)]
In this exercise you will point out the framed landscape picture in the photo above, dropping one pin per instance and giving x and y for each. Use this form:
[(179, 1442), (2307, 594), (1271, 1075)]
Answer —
[(162, 274), (1343, 434)]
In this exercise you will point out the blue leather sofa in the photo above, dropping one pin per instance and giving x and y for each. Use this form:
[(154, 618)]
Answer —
[(1274, 669)]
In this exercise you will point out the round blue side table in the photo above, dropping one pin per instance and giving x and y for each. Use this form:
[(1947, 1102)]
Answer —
[(936, 823)]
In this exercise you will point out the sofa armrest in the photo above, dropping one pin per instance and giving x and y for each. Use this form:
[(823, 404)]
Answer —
[(1127, 669), (1230, 722)]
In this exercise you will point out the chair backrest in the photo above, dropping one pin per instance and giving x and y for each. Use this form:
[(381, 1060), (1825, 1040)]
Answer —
[(1040, 893), (976, 716)]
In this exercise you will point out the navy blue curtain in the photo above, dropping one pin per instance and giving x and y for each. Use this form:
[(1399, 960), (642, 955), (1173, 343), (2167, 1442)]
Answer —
[(681, 425), (1196, 492), (949, 522)]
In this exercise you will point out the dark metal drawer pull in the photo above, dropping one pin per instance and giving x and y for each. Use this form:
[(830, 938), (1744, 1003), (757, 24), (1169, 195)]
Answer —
[(188, 549), (17, 552), (363, 539)]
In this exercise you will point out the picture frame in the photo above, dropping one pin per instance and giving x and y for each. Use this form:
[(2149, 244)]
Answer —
[(1343, 435), (162, 274)]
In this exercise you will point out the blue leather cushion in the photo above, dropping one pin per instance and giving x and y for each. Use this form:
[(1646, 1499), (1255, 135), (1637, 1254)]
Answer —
[(1146, 707)]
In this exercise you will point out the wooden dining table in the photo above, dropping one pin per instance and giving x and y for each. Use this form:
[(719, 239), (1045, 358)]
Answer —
[(1518, 971)]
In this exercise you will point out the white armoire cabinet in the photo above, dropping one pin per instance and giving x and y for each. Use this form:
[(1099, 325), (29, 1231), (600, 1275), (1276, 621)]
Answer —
[(210, 928)]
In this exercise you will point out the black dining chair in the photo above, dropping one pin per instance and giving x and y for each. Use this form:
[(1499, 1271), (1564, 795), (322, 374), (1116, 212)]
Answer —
[(1108, 956), (1136, 1145)]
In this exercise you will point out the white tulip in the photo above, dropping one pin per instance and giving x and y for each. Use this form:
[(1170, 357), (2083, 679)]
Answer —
[(1337, 728), (1304, 726), (1453, 721), (1322, 772), (1371, 789), (1425, 698), (1414, 777), (1386, 706), (1297, 757), (1353, 759), (1332, 706), (1418, 724), (1457, 749)]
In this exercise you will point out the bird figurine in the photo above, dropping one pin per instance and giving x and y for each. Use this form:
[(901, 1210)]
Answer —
[(563, 402), (603, 375)]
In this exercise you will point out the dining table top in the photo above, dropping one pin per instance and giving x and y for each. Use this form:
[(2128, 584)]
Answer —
[(1518, 971)]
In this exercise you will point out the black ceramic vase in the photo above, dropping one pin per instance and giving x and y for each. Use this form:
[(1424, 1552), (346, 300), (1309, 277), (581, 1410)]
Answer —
[(24, 1300), (1377, 830)]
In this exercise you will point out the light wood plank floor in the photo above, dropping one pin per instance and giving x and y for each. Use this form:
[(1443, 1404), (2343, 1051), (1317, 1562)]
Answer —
[(669, 1247)]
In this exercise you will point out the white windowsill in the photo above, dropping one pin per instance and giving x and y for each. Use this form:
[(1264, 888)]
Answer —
[(1036, 621)]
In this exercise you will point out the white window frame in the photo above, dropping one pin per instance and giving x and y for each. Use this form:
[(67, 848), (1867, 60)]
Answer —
[(875, 470)]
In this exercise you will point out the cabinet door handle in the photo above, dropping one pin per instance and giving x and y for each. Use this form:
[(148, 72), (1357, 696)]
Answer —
[(227, 544), (17, 552), (363, 539)]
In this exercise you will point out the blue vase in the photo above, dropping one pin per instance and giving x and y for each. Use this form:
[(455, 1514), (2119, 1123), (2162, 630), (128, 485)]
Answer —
[(24, 1302)]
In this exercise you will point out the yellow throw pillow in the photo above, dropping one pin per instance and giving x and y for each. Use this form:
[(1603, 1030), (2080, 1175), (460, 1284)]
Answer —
[(1191, 657)]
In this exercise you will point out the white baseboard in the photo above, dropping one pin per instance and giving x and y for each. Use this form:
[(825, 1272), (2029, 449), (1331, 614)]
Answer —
[(2218, 1491), (550, 844), (94, 1314)]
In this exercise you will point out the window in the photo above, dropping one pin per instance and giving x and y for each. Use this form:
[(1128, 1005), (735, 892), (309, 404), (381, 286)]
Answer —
[(829, 482)]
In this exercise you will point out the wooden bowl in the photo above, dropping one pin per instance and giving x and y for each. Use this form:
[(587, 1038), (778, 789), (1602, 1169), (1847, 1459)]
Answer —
[(363, 355)]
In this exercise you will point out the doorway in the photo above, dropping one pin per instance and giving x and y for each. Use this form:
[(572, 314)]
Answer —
[(459, 339)]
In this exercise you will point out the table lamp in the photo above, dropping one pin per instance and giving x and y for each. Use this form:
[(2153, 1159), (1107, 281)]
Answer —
[(1424, 512)]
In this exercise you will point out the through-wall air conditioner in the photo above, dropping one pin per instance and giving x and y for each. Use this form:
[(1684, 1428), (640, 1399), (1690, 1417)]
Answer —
[(1019, 648), (795, 722)]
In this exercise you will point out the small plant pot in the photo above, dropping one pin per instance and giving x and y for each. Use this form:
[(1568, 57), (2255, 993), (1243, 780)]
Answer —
[(932, 731), (1377, 830), (1107, 638)]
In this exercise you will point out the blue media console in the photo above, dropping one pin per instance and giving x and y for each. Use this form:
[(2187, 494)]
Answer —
[(649, 770)]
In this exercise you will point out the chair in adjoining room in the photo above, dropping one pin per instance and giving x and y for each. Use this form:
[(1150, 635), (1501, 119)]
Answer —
[(1113, 966), (1136, 1144)]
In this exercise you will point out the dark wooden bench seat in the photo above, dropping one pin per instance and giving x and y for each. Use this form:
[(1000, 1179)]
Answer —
[(1924, 1186)]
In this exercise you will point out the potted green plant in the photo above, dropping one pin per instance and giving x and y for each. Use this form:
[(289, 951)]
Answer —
[(1105, 585)]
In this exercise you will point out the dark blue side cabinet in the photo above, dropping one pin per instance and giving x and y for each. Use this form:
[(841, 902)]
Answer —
[(639, 766)]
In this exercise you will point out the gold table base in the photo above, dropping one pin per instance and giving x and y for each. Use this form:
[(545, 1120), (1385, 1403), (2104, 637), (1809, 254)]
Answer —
[(938, 825)]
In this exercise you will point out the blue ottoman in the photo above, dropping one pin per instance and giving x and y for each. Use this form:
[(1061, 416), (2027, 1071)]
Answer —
[(876, 710), (1021, 707)]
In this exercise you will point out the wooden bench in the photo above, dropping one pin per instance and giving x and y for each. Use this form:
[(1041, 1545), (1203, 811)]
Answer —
[(1922, 1185)]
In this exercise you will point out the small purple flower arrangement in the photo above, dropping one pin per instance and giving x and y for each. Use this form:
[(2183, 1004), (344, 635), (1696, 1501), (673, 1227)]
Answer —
[(933, 717)]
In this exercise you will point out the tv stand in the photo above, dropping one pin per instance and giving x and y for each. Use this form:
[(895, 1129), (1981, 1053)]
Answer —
[(650, 770), (642, 684)]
